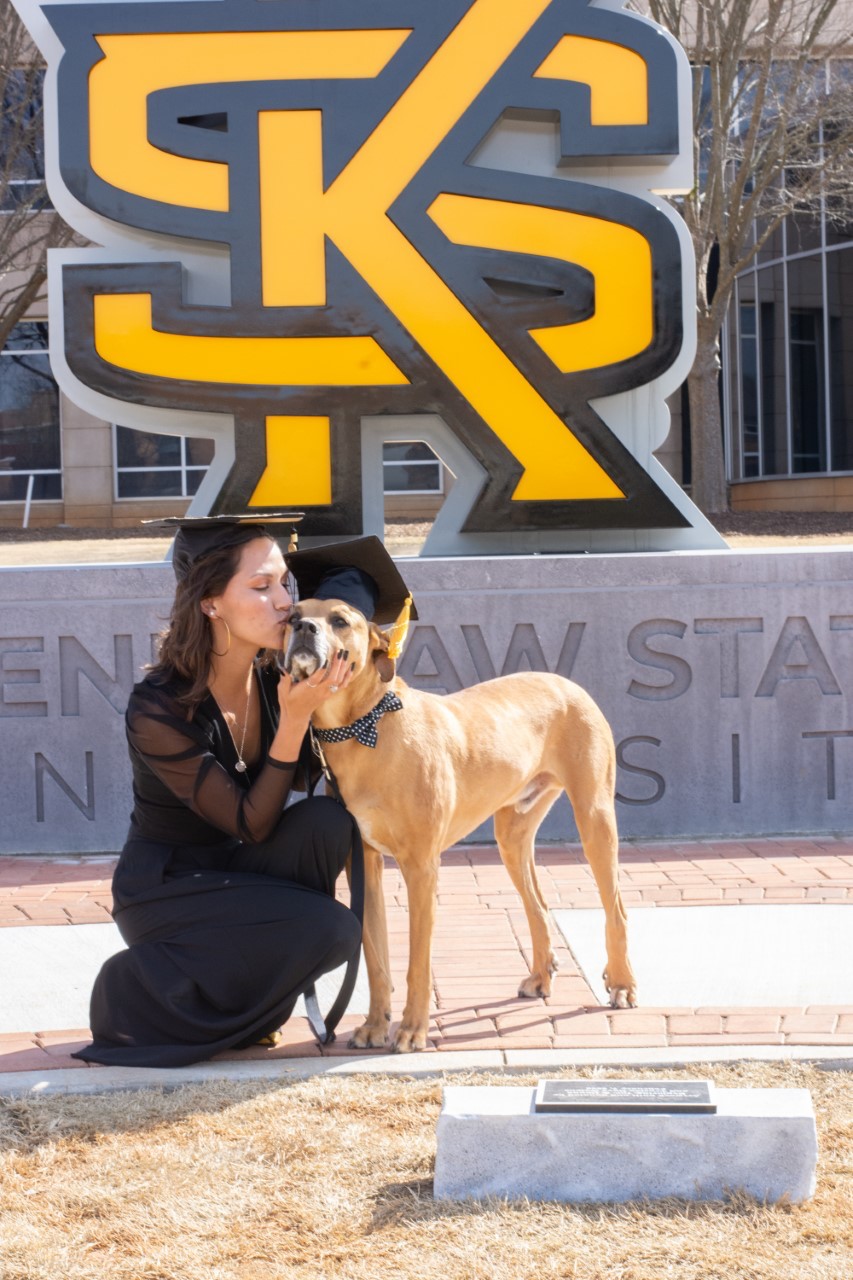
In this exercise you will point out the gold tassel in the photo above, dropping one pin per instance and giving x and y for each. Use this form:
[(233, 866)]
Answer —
[(293, 544), (400, 630)]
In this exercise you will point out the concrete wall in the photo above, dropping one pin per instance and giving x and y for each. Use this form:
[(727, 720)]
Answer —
[(726, 678)]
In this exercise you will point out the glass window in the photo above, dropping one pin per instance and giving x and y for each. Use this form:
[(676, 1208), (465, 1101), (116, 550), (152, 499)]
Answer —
[(704, 119), (804, 233), (410, 466), (22, 142), (774, 429), (29, 417), (838, 235), (749, 390), (149, 465), (773, 246), (806, 356), (763, 430), (840, 74), (840, 307), (807, 426)]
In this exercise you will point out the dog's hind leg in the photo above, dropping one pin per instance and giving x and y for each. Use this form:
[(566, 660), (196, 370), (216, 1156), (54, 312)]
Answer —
[(596, 822), (373, 1033), (516, 836)]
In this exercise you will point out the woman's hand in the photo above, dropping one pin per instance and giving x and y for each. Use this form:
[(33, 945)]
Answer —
[(298, 700)]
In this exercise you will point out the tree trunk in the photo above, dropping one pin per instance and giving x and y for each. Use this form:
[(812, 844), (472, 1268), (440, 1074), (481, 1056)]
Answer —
[(708, 469)]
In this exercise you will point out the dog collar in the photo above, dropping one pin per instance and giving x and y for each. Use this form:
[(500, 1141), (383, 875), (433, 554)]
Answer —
[(363, 729)]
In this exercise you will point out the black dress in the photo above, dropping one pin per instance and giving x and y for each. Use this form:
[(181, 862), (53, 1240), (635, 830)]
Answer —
[(224, 897)]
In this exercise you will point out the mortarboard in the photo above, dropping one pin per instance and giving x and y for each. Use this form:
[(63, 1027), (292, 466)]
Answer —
[(197, 536), (360, 572)]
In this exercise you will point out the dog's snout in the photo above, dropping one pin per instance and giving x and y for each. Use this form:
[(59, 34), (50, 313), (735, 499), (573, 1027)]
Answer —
[(307, 648)]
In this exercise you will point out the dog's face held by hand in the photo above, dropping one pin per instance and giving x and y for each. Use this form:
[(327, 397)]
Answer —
[(317, 629), (307, 646)]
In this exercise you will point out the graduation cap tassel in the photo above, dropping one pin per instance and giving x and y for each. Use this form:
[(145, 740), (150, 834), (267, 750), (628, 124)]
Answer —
[(400, 630), (293, 544)]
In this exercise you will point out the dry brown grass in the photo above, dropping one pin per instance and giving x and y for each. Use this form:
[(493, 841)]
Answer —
[(332, 1178)]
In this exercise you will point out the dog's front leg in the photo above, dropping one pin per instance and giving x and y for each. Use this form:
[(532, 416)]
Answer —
[(421, 884), (373, 1033)]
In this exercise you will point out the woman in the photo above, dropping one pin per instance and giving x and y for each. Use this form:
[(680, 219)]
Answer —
[(224, 896)]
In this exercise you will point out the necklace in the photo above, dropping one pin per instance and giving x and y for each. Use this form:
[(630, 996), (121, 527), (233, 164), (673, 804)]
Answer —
[(240, 766)]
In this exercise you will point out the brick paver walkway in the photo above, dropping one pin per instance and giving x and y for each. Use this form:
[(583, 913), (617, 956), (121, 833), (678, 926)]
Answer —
[(481, 947)]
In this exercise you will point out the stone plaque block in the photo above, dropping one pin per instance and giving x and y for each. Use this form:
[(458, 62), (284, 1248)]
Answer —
[(492, 1142)]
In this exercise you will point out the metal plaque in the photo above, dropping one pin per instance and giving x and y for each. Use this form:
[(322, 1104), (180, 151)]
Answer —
[(689, 1096)]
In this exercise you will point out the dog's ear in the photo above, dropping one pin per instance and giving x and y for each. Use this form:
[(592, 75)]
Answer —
[(386, 666)]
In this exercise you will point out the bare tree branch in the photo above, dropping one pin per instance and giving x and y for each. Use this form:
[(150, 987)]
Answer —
[(773, 138), (28, 225)]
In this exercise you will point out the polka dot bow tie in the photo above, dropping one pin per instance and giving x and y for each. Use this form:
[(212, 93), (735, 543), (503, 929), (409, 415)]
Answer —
[(363, 729)]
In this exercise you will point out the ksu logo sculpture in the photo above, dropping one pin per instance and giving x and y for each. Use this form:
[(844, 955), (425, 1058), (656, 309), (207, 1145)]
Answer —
[(305, 229)]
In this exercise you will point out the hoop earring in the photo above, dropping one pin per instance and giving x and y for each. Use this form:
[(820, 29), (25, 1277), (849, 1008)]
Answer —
[(227, 647)]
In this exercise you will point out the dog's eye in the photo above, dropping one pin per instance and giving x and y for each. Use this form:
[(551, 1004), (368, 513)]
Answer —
[(294, 616), (338, 621)]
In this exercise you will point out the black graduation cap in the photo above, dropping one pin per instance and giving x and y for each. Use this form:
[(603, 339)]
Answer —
[(196, 536), (361, 573)]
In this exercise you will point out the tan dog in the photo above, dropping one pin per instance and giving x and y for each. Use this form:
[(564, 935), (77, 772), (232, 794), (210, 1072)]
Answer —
[(442, 766)]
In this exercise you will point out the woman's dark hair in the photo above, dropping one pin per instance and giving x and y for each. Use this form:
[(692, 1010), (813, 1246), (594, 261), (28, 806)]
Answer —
[(186, 645)]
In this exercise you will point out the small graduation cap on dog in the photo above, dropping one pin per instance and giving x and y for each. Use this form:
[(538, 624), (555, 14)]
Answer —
[(198, 536), (361, 573)]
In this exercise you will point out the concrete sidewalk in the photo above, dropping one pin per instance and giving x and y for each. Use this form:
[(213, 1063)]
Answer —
[(481, 953)]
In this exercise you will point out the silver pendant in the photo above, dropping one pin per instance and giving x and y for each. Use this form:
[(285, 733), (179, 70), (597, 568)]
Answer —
[(240, 766)]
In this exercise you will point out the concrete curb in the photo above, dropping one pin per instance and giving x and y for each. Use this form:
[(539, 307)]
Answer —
[(86, 1080)]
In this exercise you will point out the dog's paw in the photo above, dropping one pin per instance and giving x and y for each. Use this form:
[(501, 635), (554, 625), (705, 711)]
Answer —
[(409, 1040), (539, 982), (622, 990), (369, 1036), (536, 985), (623, 997)]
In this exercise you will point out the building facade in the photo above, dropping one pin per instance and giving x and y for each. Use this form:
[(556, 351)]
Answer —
[(788, 372)]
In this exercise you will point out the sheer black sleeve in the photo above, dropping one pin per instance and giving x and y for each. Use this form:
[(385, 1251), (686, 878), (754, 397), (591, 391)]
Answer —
[(183, 755)]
